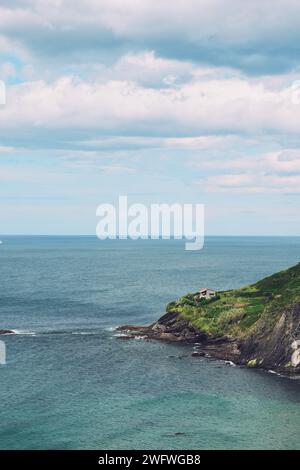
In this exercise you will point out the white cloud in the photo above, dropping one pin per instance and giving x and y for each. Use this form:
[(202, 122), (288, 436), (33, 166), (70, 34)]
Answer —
[(251, 183), (148, 69), (217, 32), (274, 172), (112, 169), (282, 161), (6, 150), (137, 17), (208, 106), (205, 142)]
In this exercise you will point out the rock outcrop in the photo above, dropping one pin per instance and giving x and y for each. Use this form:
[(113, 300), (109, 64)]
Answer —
[(256, 326)]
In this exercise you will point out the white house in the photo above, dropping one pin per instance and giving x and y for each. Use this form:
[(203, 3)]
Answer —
[(206, 293)]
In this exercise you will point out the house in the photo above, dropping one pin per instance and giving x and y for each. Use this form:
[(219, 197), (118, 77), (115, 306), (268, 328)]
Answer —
[(206, 293)]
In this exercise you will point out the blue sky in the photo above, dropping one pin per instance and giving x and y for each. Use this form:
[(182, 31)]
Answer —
[(186, 101)]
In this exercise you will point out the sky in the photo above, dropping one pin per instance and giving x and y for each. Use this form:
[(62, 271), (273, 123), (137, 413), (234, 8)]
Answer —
[(194, 101)]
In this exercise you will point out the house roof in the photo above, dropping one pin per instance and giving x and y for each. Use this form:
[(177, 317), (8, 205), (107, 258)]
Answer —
[(205, 289)]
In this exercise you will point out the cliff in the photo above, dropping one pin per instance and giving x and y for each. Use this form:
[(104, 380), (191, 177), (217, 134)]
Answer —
[(257, 325)]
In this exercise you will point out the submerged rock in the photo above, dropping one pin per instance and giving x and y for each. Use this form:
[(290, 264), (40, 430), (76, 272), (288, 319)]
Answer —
[(198, 354)]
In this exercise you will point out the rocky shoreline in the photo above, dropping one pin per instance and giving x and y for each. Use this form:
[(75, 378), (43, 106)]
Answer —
[(272, 349), (220, 348), (169, 330)]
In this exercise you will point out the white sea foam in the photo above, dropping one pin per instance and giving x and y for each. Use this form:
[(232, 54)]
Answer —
[(275, 373), (120, 335), (51, 332), (111, 328), (23, 332), (230, 363)]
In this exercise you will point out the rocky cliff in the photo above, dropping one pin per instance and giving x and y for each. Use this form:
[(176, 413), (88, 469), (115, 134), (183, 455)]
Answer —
[(255, 326)]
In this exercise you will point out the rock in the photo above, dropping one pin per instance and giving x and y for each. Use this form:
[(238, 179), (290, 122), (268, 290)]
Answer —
[(274, 345), (198, 354), (132, 328)]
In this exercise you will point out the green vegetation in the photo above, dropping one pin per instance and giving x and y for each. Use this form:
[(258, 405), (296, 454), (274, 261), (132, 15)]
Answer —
[(252, 363), (238, 312)]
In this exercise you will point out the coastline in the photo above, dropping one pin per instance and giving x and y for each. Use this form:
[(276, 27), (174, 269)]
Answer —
[(221, 349), (257, 326)]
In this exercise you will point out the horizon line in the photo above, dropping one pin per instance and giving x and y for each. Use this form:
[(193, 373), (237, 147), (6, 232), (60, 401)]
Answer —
[(144, 239)]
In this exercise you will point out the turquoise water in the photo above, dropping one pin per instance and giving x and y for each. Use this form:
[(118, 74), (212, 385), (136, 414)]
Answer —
[(70, 383)]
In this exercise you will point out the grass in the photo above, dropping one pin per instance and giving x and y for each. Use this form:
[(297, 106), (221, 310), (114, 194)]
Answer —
[(237, 312)]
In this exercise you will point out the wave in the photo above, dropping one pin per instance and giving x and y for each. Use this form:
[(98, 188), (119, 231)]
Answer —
[(90, 333), (120, 335), (54, 332), (111, 328), (72, 332), (275, 373), (230, 363), (23, 332)]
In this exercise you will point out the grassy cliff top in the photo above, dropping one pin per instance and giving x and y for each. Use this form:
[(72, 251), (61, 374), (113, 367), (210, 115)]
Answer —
[(238, 312)]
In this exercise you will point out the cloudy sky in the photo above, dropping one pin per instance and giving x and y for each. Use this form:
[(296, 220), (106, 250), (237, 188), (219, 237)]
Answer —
[(186, 101)]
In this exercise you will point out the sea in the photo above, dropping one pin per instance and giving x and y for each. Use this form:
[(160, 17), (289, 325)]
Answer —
[(71, 382)]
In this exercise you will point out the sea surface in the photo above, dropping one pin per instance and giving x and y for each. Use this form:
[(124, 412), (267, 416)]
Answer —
[(71, 383)]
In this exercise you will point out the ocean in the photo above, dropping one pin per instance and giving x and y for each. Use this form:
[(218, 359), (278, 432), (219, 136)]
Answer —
[(71, 383)]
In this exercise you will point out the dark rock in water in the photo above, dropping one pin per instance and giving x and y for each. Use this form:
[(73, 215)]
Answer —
[(133, 328), (198, 354), (175, 434), (6, 332)]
